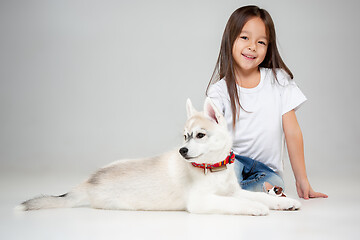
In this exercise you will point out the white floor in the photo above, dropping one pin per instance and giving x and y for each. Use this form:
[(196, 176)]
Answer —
[(337, 217)]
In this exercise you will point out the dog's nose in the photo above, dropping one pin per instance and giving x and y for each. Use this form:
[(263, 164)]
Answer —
[(183, 151)]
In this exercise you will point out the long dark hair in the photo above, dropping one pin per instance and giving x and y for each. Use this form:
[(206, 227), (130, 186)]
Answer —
[(224, 67)]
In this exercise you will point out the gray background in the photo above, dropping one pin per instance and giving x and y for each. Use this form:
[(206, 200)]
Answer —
[(83, 83)]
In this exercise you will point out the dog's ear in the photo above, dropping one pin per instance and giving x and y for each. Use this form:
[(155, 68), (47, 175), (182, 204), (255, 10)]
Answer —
[(211, 111), (190, 108)]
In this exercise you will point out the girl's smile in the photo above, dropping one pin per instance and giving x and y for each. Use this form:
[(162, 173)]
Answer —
[(248, 56)]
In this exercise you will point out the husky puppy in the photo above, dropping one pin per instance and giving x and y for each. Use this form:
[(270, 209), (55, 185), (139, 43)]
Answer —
[(198, 178)]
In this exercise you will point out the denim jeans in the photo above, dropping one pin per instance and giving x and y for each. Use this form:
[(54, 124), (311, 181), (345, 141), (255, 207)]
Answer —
[(252, 174)]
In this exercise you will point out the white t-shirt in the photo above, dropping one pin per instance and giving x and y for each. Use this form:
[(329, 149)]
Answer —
[(259, 133)]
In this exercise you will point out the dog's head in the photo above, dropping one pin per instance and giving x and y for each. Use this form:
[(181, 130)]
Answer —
[(206, 135)]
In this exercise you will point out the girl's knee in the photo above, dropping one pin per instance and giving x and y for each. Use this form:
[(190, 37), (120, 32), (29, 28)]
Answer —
[(267, 186)]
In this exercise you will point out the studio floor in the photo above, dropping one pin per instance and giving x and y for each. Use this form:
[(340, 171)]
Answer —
[(337, 217)]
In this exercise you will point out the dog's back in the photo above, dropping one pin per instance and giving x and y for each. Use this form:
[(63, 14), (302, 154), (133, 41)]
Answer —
[(157, 183)]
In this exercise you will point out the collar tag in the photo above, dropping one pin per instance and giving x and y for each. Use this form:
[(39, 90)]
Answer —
[(218, 169)]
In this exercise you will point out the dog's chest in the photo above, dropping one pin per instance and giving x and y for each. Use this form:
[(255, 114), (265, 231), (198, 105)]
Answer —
[(216, 182)]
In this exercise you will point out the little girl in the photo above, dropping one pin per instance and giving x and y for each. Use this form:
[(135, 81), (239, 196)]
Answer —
[(253, 88)]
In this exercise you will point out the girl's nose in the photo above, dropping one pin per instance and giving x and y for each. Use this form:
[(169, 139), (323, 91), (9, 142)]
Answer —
[(252, 47)]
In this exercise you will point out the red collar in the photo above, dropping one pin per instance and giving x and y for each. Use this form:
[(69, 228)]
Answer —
[(217, 166)]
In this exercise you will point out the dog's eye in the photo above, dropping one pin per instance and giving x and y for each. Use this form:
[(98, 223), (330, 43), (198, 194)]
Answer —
[(185, 137), (200, 135)]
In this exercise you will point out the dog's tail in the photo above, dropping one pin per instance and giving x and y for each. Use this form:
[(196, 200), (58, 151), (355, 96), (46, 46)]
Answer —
[(75, 198)]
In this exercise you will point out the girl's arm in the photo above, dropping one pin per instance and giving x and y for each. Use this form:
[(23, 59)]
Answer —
[(295, 146)]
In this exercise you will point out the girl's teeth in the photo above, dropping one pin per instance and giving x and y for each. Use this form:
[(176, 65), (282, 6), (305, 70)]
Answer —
[(249, 57)]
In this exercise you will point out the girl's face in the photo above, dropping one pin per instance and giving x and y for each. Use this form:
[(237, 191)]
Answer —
[(250, 47)]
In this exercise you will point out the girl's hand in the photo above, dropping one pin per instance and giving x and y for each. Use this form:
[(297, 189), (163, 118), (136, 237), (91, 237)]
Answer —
[(305, 191)]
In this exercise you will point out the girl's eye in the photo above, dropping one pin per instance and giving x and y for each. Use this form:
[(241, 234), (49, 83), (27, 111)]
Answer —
[(263, 43), (244, 37), (200, 135)]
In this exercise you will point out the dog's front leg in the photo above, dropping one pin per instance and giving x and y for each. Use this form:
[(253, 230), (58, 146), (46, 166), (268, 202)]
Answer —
[(273, 202), (215, 204)]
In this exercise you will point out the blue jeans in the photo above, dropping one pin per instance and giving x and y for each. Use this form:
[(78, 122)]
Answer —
[(252, 174)]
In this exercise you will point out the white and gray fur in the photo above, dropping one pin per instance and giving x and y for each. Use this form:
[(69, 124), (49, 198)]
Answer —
[(170, 181)]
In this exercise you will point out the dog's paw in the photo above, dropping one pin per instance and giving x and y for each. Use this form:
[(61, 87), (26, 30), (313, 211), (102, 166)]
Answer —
[(288, 204), (257, 210)]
